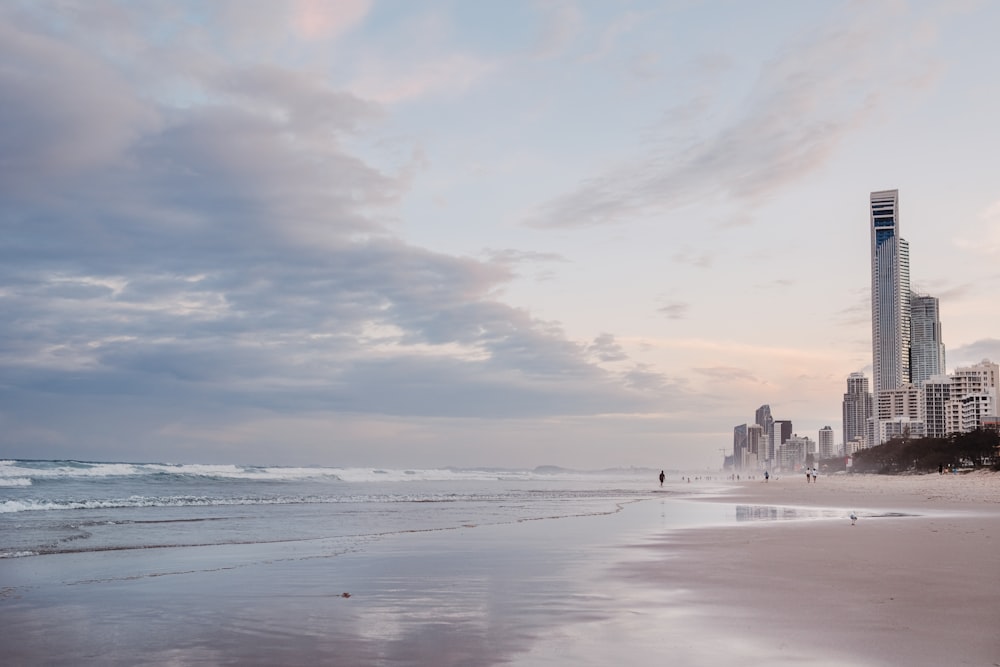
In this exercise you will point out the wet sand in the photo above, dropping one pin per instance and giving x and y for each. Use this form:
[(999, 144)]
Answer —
[(922, 589), (630, 587)]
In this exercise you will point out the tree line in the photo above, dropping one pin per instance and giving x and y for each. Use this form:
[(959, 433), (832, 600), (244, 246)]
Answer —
[(976, 449)]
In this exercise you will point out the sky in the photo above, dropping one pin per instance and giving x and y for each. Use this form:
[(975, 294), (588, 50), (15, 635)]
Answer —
[(519, 233)]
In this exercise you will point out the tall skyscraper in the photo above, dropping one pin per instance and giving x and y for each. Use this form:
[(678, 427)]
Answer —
[(755, 445), (766, 421), (926, 347), (782, 432), (890, 294), (740, 447), (857, 411)]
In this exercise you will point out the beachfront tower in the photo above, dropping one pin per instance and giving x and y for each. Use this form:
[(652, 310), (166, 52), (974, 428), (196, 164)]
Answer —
[(857, 412), (781, 431), (764, 419), (825, 443), (890, 294), (740, 447), (935, 395), (926, 347)]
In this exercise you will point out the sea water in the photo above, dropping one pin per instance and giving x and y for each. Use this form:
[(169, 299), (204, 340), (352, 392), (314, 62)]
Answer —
[(52, 507), (158, 563)]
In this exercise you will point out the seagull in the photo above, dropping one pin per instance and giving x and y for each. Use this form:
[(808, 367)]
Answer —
[(854, 517)]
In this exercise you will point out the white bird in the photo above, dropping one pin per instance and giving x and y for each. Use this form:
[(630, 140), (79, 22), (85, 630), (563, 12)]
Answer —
[(854, 517)]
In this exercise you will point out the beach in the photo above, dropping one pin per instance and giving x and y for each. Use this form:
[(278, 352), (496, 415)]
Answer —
[(535, 572), (915, 582)]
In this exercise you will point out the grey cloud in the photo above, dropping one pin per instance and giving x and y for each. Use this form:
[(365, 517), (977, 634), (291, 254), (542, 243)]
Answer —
[(200, 261), (676, 310), (945, 294), (973, 353), (805, 101), (642, 378), (858, 314), (605, 348), (63, 112), (307, 104), (512, 256)]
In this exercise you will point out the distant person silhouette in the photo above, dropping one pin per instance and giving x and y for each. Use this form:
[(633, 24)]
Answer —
[(662, 477)]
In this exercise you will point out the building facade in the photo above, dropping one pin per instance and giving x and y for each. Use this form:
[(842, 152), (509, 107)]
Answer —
[(756, 447), (936, 393), (890, 267), (899, 413), (926, 346), (857, 411), (764, 419), (796, 452), (781, 431), (973, 397), (825, 442), (739, 447)]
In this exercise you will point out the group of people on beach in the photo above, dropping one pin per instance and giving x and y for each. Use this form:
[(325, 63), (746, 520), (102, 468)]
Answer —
[(811, 472)]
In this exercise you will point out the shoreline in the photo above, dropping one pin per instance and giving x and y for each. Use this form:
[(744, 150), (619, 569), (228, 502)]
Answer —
[(919, 588), (678, 578)]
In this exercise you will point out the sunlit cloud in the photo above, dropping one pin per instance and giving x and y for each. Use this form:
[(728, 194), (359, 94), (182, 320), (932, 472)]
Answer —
[(318, 19)]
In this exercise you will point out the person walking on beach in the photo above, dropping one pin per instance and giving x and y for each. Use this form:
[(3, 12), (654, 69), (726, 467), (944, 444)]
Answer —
[(814, 474), (767, 475), (662, 477), (808, 476)]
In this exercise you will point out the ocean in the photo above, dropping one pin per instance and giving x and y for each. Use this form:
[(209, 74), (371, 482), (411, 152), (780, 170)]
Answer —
[(159, 563), (53, 507)]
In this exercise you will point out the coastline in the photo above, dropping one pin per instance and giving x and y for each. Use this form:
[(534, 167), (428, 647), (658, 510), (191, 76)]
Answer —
[(915, 582), (698, 574)]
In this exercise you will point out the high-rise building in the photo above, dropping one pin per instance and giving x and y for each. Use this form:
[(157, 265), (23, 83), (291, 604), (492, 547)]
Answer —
[(975, 393), (764, 419), (740, 447), (936, 393), (796, 451), (755, 446), (781, 431), (857, 411), (825, 442), (899, 413), (926, 346), (890, 294)]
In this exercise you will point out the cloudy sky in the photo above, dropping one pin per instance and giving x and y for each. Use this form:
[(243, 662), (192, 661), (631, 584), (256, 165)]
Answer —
[(474, 233)]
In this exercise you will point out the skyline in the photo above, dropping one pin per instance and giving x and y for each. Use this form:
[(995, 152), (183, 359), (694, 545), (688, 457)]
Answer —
[(430, 234)]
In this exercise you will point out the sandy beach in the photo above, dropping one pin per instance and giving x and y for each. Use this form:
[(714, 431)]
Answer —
[(920, 589), (704, 574)]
